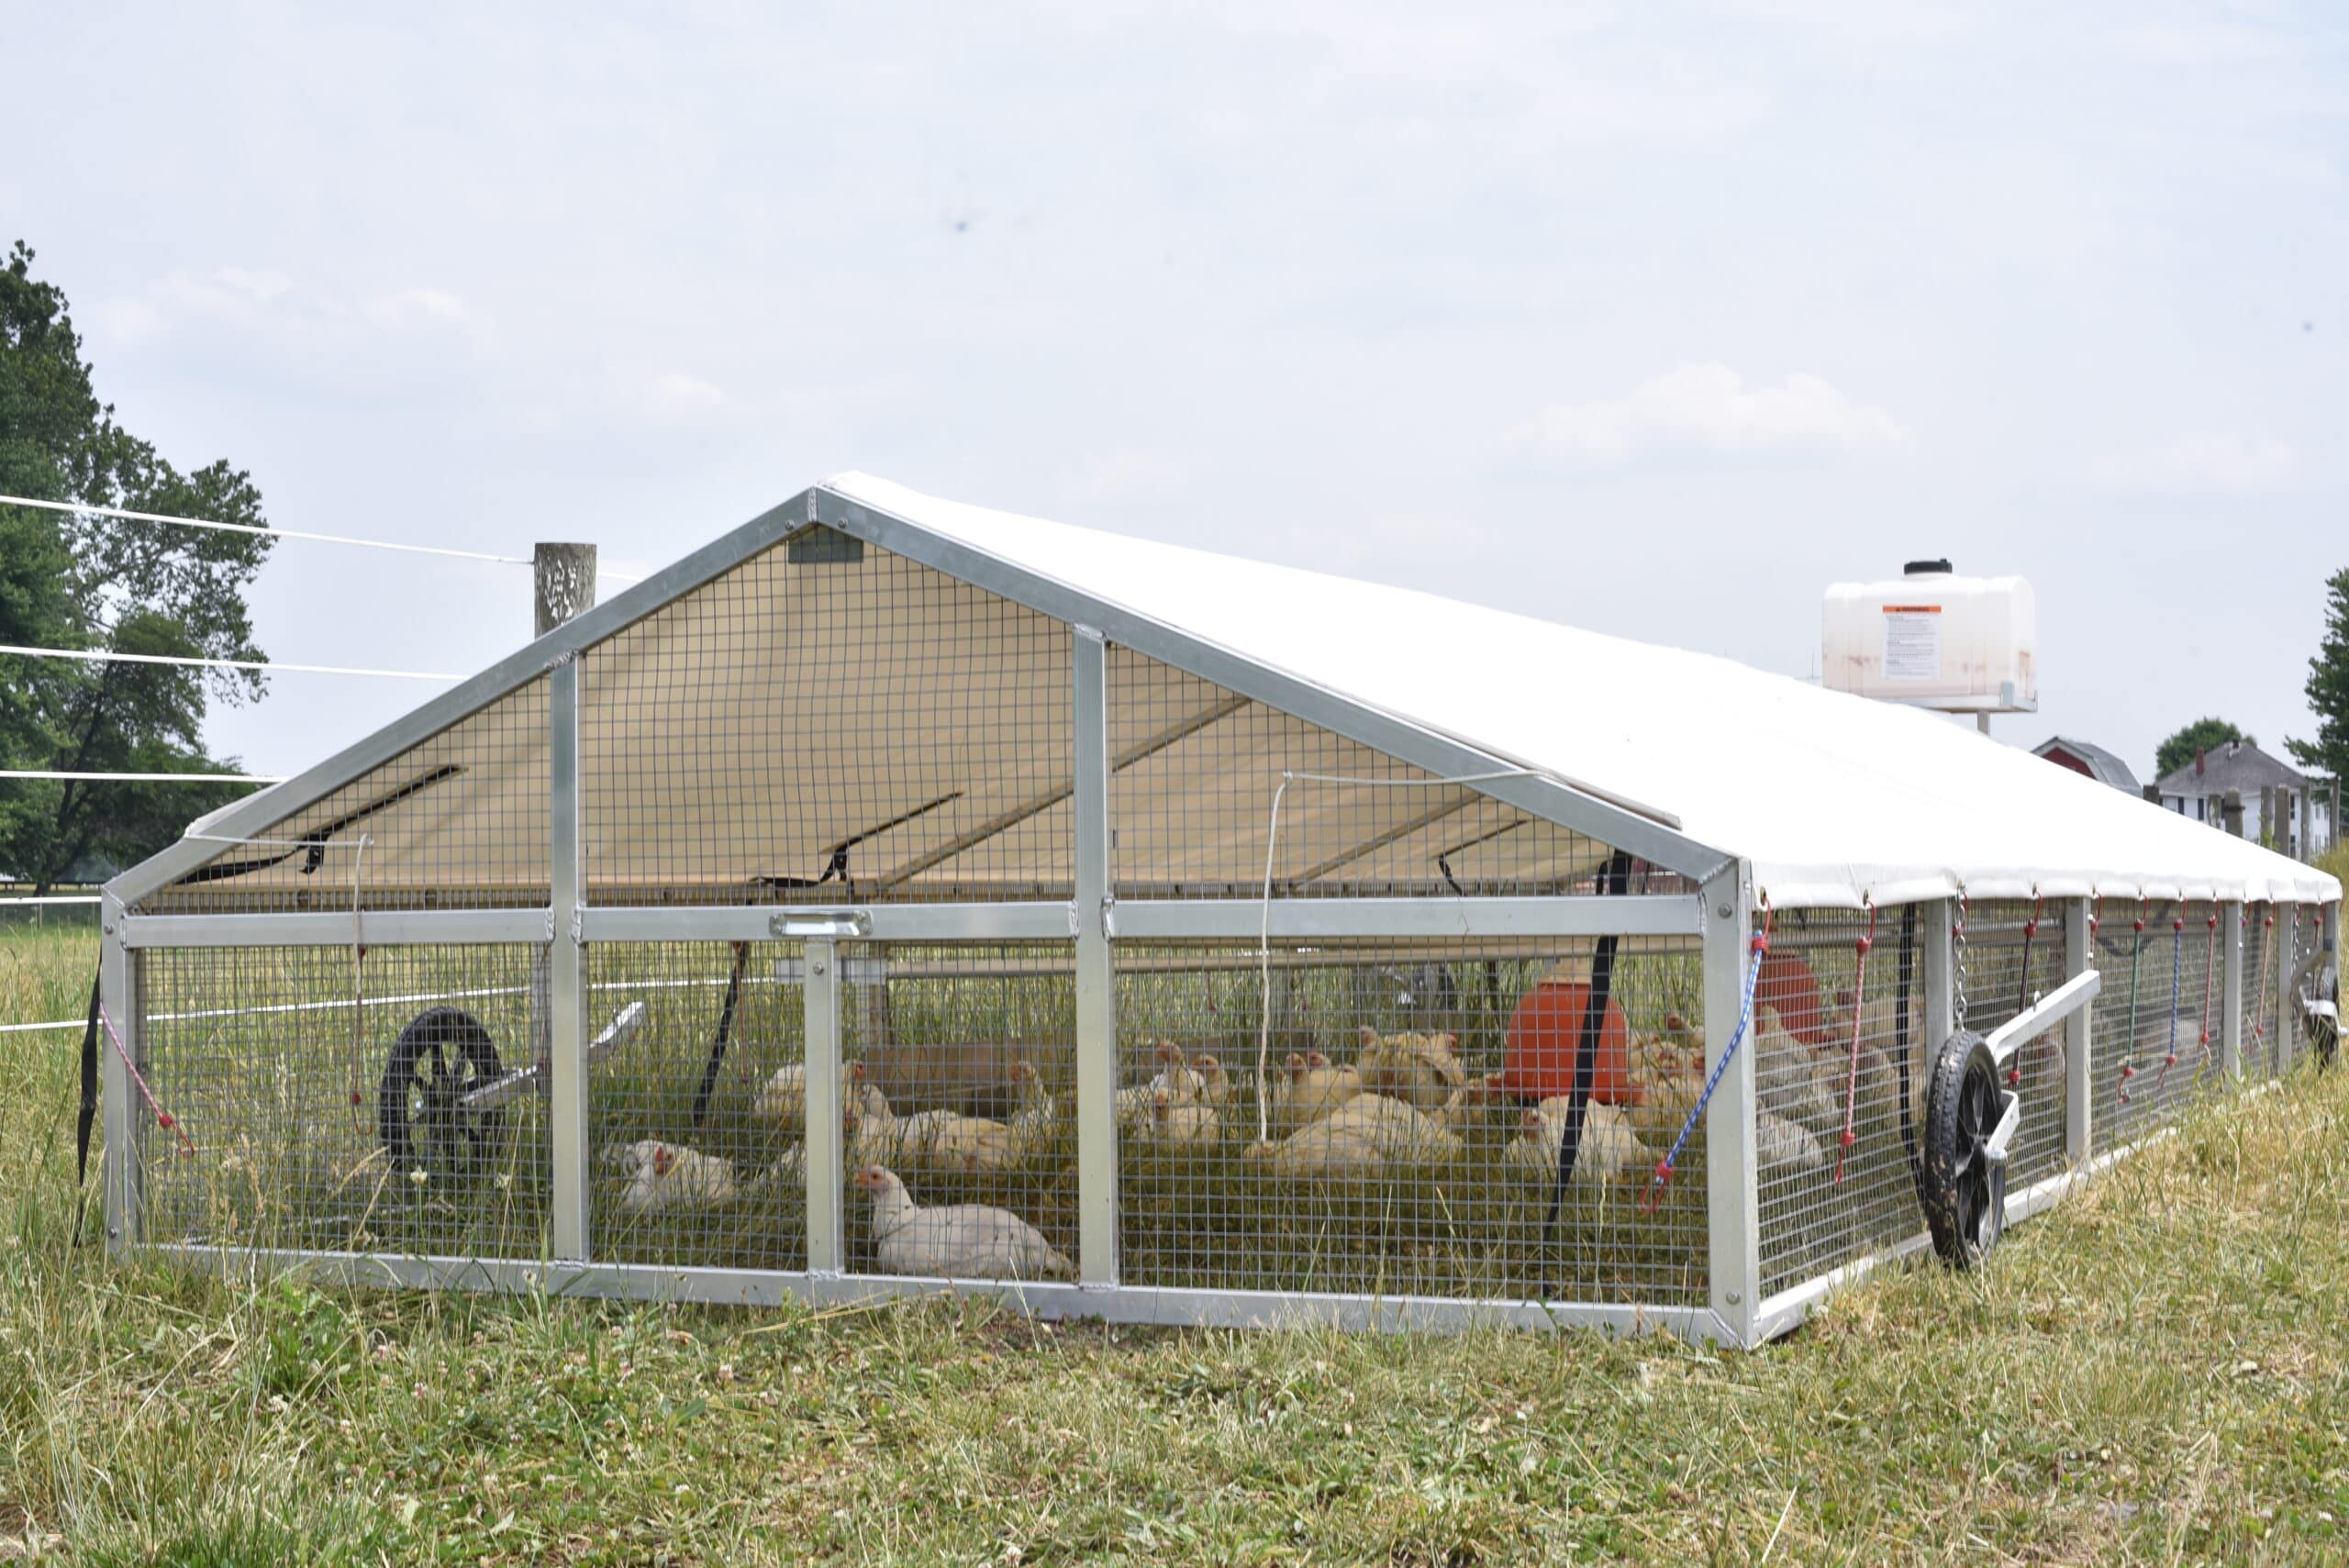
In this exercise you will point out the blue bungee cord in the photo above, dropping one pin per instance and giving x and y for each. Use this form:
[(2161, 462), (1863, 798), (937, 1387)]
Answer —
[(1713, 1078)]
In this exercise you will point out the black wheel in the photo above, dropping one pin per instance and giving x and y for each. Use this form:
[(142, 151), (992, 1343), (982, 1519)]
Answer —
[(1965, 1191), (443, 1055)]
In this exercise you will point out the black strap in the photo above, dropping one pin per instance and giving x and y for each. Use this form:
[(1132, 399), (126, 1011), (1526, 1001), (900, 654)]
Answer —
[(725, 1032), (1612, 881), (315, 842), (88, 1115)]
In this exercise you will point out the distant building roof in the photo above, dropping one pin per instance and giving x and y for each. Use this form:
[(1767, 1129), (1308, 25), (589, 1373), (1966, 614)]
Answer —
[(2102, 765), (2238, 764)]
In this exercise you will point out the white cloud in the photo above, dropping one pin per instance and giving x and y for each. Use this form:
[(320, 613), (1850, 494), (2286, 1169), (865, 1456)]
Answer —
[(1106, 476), (675, 393), (1710, 408), (417, 305), (261, 287), (2207, 462)]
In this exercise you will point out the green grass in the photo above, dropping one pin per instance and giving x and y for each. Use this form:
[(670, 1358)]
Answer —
[(2157, 1371)]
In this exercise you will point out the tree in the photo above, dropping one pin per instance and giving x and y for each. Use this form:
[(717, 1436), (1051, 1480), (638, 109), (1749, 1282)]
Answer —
[(75, 581), (2328, 689), (2202, 735)]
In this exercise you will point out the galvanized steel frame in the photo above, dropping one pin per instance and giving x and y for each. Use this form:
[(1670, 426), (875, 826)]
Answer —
[(1721, 915)]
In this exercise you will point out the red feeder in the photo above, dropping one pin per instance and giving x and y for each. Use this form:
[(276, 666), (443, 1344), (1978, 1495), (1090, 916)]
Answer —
[(1788, 987), (1544, 1033)]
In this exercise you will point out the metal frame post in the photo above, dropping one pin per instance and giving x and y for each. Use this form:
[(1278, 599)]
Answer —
[(1097, 1014), (569, 1218), (820, 994), (2079, 1120), (119, 1171), (1940, 977), (1733, 1163), (2231, 918)]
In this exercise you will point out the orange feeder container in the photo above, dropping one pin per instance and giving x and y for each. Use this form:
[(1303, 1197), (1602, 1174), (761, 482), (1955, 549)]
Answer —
[(1538, 1060)]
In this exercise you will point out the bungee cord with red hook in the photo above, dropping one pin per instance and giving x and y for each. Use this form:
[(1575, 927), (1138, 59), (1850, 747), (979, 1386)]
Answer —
[(2176, 964), (1760, 949), (1859, 1004), (2129, 1064), (2023, 984), (163, 1118)]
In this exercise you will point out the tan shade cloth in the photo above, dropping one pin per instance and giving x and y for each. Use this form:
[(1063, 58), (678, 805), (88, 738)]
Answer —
[(854, 727)]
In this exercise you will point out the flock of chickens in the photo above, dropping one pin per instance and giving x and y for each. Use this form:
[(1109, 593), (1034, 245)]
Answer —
[(1406, 1100)]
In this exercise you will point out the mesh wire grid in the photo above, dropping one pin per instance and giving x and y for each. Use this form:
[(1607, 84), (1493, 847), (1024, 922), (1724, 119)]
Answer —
[(1195, 771), (458, 821), (827, 726), (2258, 998), (960, 1073), (697, 1121), (2013, 955), (1411, 1148), (1810, 995), (283, 1068), (2151, 1007)]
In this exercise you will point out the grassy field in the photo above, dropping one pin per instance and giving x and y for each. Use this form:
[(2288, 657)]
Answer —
[(2153, 1373)]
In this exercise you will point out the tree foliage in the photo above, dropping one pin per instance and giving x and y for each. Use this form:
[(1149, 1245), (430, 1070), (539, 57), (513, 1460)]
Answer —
[(77, 581), (2328, 688), (2202, 735)]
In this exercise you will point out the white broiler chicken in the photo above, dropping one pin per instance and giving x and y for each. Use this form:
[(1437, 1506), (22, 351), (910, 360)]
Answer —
[(1177, 1124), (960, 1241), (1307, 1088), (1791, 1079), (948, 1139), (664, 1177), (1610, 1147), (782, 1098), (1357, 1139), (1781, 1144), (1420, 1070), (1177, 1079)]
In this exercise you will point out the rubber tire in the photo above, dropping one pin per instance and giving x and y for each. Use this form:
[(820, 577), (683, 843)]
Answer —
[(443, 1053), (1965, 1209)]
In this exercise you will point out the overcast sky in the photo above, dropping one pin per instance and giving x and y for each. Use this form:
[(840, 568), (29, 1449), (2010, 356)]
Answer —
[(1656, 318)]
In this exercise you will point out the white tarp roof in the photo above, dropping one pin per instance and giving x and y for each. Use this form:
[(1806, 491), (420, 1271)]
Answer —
[(1831, 798)]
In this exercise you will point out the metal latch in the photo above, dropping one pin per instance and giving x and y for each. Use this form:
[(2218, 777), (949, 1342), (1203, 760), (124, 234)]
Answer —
[(821, 923)]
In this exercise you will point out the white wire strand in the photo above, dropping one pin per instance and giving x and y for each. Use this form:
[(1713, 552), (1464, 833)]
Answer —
[(249, 528), (1264, 911), (137, 778), (100, 656), (216, 524)]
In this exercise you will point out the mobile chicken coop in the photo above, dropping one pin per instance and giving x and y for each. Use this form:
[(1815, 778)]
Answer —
[(895, 893)]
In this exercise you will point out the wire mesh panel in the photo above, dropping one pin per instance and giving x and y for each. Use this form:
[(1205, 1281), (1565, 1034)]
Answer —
[(1825, 1201), (959, 1074), (458, 821), (2012, 955), (323, 1101), (2160, 981), (827, 722), (2307, 944), (2258, 1001), (1403, 1137), (698, 1103), (1195, 771)]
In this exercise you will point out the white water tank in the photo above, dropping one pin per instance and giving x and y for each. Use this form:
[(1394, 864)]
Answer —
[(1936, 639)]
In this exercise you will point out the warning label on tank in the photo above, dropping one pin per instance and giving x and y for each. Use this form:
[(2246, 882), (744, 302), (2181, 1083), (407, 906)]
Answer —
[(1912, 642)]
